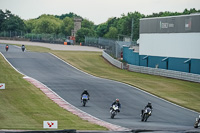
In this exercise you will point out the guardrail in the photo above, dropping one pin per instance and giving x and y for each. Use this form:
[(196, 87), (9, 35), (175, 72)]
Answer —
[(165, 73), (154, 71), (112, 60)]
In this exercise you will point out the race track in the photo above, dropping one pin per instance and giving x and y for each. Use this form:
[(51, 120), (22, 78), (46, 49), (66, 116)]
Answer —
[(69, 83)]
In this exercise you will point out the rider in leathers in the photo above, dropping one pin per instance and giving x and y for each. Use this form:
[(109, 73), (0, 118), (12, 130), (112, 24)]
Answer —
[(147, 106), (86, 93), (116, 102)]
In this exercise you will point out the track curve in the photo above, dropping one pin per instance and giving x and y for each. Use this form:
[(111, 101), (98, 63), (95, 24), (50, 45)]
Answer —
[(69, 83)]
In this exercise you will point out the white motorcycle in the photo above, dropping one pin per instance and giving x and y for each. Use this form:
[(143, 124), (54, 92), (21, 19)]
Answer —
[(197, 123), (114, 110), (84, 99), (146, 113)]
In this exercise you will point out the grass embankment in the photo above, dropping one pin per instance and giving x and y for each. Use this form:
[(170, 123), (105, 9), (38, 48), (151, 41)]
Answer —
[(181, 92), (23, 106), (184, 93)]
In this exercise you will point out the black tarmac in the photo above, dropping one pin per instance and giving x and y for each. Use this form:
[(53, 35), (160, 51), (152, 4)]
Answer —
[(68, 83)]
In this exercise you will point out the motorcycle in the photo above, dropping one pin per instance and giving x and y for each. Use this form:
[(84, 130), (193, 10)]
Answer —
[(84, 99), (197, 123), (114, 110), (6, 48), (146, 113), (23, 48)]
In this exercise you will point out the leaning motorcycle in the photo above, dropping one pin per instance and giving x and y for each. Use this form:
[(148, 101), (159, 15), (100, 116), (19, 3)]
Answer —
[(84, 99), (114, 110), (146, 113), (197, 123)]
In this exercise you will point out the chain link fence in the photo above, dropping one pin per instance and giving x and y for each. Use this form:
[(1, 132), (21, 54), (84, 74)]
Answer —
[(21, 35), (113, 47)]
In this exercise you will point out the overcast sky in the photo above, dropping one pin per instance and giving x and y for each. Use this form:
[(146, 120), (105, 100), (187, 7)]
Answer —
[(97, 11)]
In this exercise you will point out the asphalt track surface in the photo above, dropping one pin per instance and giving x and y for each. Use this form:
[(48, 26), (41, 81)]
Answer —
[(69, 83)]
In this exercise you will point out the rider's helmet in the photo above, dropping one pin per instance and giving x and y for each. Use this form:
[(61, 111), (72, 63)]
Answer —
[(199, 115), (149, 103), (117, 100)]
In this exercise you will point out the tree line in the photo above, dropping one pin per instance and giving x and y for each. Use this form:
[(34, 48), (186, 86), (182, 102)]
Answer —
[(63, 24)]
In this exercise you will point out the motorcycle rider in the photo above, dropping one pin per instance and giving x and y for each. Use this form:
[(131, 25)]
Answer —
[(198, 119), (86, 93), (116, 102), (147, 106), (23, 48), (6, 47), (196, 124)]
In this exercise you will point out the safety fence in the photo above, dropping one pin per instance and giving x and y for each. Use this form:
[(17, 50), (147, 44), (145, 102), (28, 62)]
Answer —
[(21, 35), (153, 71), (112, 47)]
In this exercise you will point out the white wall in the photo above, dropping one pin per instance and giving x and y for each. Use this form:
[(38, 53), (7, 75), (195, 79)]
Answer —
[(182, 45)]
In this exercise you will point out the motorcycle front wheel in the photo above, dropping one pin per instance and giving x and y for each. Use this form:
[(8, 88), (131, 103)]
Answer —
[(112, 115), (196, 125), (84, 103)]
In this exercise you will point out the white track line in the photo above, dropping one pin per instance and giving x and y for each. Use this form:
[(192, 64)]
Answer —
[(67, 106), (127, 85)]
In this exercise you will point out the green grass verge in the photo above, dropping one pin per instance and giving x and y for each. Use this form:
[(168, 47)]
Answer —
[(184, 93), (25, 107), (22, 111), (181, 92)]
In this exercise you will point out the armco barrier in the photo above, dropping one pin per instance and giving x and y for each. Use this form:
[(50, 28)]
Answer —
[(112, 60), (154, 71), (165, 73)]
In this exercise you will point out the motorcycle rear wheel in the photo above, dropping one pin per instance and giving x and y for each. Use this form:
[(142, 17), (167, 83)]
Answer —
[(84, 103)]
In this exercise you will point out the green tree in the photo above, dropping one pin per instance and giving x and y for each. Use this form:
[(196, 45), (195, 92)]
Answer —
[(67, 26), (48, 24), (10, 22), (70, 15), (13, 23), (87, 24), (2, 18), (112, 33), (80, 35), (101, 30), (124, 25), (30, 25)]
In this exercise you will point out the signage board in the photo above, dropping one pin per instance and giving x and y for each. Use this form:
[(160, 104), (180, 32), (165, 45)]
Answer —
[(50, 124), (2, 86)]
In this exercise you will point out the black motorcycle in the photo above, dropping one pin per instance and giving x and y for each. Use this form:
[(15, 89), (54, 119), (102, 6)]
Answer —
[(197, 123), (146, 113), (23, 48)]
